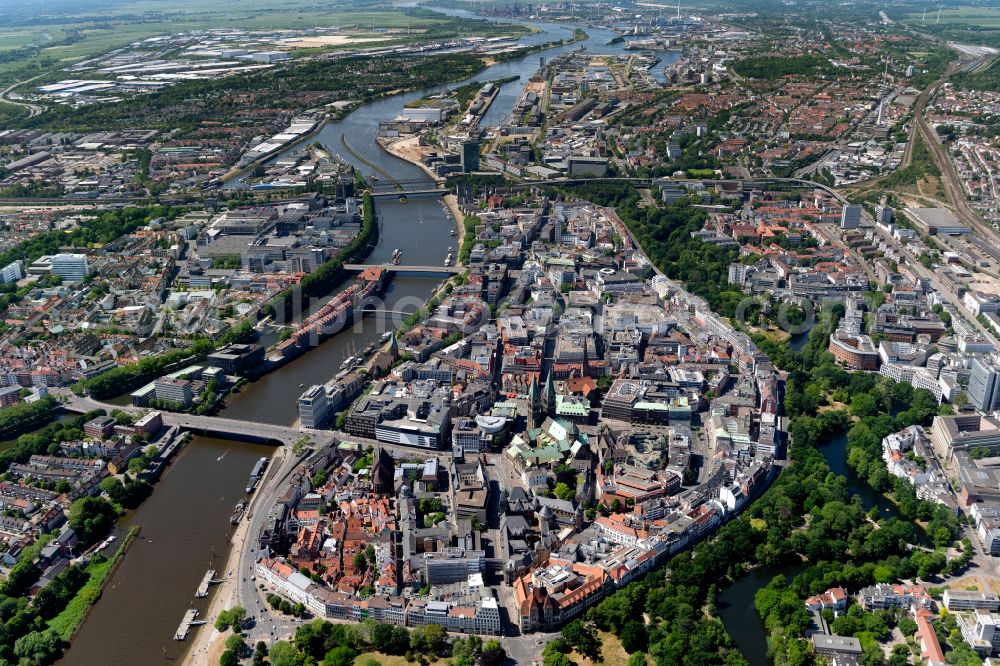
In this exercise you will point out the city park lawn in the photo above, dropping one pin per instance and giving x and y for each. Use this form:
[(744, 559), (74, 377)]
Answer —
[(612, 652)]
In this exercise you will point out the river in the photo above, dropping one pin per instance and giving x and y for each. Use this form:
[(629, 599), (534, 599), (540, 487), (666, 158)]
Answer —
[(185, 523)]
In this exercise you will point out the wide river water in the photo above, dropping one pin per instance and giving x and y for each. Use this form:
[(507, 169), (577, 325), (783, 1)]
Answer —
[(185, 523)]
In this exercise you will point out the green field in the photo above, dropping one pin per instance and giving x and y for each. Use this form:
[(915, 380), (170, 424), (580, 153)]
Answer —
[(964, 23), (978, 17), (15, 39)]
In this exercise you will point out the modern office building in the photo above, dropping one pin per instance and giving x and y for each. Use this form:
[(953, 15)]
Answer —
[(962, 600), (964, 432), (10, 395), (12, 272), (174, 390), (414, 421), (70, 267), (984, 385), (855, 351), (850, 216), (314, 407), (470, 156), (883, 215)]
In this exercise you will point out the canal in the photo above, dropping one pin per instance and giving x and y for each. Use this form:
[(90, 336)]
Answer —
[(185, 522), (10, 442), (736, 602)]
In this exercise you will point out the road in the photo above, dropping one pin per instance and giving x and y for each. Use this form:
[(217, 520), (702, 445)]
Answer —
[(830, 155), (213, 424), (269, 625), (33, 109)]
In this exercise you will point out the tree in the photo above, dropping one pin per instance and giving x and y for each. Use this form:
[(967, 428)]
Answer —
[(232, 618), (259, 653), (91, 517), (637, 659), (229, 658), (235, 643), (283, 653), (557, 659), (907, 625), (493, 653), (900, 656), (340, 656), (583, 639), (39, 647), (564, 492), (312, 638), (389, 639), (434, 638), (319, 478), (360, 562), (633, 636), (864, 404)]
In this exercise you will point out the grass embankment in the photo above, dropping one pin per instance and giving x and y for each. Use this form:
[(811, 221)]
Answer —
[(69, 620), (921, 168), (468, 239), (26, 416)]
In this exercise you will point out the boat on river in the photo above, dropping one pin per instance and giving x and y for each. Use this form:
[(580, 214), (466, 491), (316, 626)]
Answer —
[(238, 512)]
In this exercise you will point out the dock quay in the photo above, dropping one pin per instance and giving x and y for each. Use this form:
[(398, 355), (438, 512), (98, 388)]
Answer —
[(186, 624), (206, 581)]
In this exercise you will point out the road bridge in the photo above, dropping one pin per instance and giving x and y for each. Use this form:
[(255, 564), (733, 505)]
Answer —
[(212, 425), (398, 268), (396, 194)]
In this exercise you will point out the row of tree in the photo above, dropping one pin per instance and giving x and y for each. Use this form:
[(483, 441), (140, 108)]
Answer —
[(340, 644)]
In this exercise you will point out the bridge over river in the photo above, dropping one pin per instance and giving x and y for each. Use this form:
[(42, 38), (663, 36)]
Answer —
[(212, 425), (396, 268)]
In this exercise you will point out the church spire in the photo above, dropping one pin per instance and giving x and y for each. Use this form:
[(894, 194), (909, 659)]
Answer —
[(549, 398), (394, 346)]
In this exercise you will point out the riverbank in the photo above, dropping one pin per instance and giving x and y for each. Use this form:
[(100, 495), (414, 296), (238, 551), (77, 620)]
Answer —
[(68, 622), (208, 643), (409, 149), (451, 200)]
